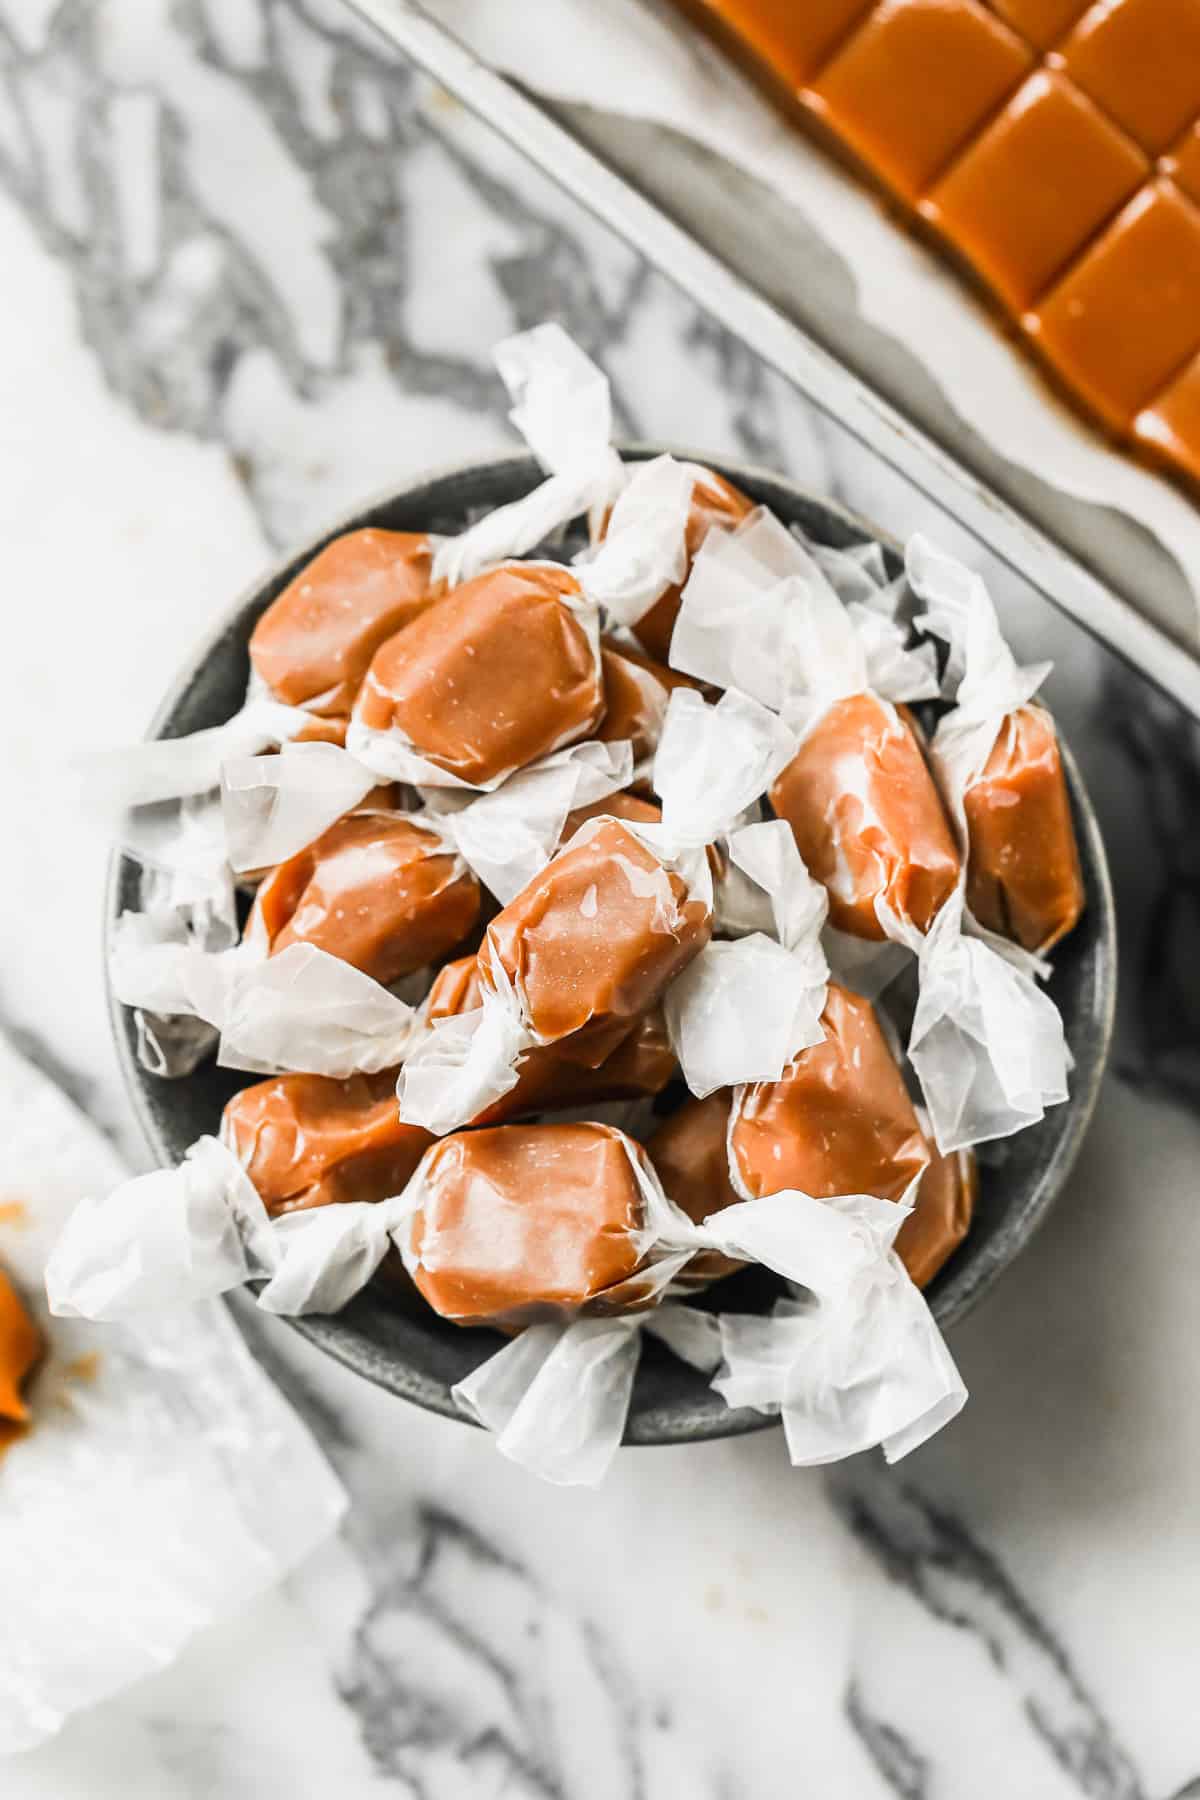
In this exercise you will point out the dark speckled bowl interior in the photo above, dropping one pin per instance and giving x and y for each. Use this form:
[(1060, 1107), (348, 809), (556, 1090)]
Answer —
[(403, 1346)]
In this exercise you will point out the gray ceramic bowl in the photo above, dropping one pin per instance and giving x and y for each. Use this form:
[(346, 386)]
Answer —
[(400, 1344)]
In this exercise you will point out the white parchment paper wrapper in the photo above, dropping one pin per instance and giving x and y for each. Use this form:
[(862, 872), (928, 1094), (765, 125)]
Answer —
[(646, 62), (164, 1481), (563, 410)]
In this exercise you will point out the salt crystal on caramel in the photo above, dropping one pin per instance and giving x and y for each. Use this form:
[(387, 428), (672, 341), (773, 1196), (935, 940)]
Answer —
[(314, 643), (504, 670), (306, 1140), (376, 890)]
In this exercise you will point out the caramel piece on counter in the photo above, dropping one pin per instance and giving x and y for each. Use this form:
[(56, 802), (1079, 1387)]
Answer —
[(1033, 187), (867, 817), (716, 503), (690, 1155), (307, 1140), (500, 672), (526, 1222), (376, 890), (1169, 428), (793, 39), (21, 1349), (1023, 874), (914, 81), (839, 1121), (1040, 22), (942, 1215), (1183, 163), (593, 940), (636, 692), (1126, 316), (1140, 61), (313, 644), (641, 1064)]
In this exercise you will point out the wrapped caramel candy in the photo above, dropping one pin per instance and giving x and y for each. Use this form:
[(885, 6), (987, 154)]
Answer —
[(633, 808), (313, 644), (715, 503), (839, 1122), (504, 670), (583, 952), (524, 1223), (1023, 875), (305, 1140), (21, 1349), (376, 890), (636, 693), (592, 942), (641, 1064), (1000, 764), (867, 816), (690, 1155), (941, 1217)]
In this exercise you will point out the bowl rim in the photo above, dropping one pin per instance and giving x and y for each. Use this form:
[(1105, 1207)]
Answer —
[(341, 1340)]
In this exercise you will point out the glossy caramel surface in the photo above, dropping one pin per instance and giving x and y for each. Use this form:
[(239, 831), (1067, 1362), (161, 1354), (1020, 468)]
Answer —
[(375, 890), (839, 1122), (308, 1140), (498, 673), (313, 644), (593, 940), (1023, 874), (867, 817), (525, 1222)]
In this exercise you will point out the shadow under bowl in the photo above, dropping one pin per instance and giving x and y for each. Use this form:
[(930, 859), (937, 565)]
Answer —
[(394, 1339)]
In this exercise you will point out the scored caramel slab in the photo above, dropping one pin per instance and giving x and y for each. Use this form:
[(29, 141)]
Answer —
[(1051, 145)]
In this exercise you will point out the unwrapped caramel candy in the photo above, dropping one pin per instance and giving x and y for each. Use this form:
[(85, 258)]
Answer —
[(307, 1140), (941, 1215), (377, 890), (1023, 874), (839, 1121), (715, 502), (499, 673), (867, 817), (21, 1349), (592, 941), (640, 1065), (526, 1223), (313, 644)]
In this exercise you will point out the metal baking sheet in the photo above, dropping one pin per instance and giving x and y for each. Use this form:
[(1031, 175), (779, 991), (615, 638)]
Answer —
[(734, 247)]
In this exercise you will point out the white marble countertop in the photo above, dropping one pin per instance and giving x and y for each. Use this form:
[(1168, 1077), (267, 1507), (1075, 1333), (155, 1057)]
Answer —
[(251, 272)]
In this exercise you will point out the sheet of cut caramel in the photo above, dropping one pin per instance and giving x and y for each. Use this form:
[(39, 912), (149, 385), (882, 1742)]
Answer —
[(1052, 147)]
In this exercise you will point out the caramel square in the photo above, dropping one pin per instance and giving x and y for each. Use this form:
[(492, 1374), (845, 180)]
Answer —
[(1140, 61), (792, 39), (1169, 428), (1046, 174), (914, 81), (1042, 22), (1124, 318), (1182, 163)]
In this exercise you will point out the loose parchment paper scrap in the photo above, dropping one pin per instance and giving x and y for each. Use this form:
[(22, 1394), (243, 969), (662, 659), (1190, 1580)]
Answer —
[(164, 1481), (639, 59)]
